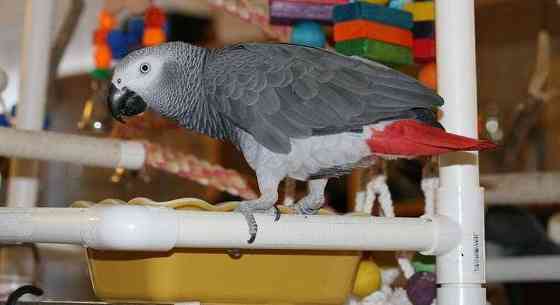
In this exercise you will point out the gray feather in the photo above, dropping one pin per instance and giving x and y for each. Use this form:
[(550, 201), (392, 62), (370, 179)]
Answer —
[(277, 92)]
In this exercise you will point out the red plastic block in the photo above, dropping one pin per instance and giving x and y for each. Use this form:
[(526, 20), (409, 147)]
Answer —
[(424, 50)]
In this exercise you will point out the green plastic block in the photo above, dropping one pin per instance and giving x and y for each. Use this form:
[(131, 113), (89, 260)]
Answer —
[(421, 267), (376, 50), (425, 263), (101, 74)]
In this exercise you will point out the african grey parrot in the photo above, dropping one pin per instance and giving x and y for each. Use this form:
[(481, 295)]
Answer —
[(293, 111)]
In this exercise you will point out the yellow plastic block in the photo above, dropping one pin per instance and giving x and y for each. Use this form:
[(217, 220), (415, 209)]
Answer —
[(421, 11), (376, 1)]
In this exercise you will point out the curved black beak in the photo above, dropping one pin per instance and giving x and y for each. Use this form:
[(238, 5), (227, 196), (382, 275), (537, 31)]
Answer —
[(124, 102)]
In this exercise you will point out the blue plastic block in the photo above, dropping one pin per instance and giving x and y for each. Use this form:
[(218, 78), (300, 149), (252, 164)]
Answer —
[(4, 122), (398, 4), (374, 12), (308, 33), (136, 26), (118, 41), (134, 32), (167, 29)]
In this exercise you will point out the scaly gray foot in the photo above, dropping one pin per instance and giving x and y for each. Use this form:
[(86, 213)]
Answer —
[(314, 200), (248, 209)]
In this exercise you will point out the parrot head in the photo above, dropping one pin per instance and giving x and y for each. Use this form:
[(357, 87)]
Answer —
[(131, 79), (154, 77)]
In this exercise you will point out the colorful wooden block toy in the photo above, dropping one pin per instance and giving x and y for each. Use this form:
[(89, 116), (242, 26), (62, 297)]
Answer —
[(373, 12), (421, 11), (356, 29), (376, 50), (286, 12)]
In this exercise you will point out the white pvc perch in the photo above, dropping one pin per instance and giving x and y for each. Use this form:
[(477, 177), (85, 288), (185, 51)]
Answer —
[(84, 150), (119, 227)]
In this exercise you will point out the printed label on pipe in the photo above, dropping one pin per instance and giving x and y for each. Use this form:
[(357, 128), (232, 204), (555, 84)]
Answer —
[(476, 252)]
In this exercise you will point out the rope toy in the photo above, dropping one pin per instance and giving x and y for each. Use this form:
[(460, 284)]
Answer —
[(255, 13), (188, 166), (421, 285), (386, 295)]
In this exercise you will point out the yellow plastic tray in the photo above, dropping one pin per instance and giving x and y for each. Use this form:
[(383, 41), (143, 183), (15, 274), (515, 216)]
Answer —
[(212, 276)]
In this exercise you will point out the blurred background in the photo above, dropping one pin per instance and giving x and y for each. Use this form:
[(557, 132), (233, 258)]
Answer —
[(517, 109)]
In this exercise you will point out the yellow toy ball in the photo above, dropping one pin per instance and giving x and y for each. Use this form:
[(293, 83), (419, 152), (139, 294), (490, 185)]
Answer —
[(368, 279)]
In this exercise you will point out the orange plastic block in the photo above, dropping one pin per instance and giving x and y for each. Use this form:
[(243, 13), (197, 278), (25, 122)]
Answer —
[(107, 20), (103, 56), (100, 36), (358, 29), (428, 75), (153, 36)]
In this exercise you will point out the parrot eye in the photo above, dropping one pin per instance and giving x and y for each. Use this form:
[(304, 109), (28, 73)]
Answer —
[(144, 68)]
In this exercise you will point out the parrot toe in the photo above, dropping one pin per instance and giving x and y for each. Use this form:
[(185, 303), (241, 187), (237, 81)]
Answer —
[(302, 209), (247, 209)]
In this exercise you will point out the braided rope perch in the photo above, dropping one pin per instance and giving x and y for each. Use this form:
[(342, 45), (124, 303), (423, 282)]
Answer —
[(189, 166)]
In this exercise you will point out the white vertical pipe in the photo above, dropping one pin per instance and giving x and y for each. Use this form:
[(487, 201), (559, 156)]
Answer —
[(460, 271), (37, 34)]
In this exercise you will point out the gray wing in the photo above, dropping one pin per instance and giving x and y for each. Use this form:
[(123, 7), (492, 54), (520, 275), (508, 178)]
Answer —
[(277, 92)]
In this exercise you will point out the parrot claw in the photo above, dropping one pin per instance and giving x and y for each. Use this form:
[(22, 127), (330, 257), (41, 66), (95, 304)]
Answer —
[(276, 213), (247, 210), (301, 209)]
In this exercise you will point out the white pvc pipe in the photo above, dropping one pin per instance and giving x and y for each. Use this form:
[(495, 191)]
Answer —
[(523, 269), (460, 271), (34, 71), (37, 35), (52, 146), (143, 228)]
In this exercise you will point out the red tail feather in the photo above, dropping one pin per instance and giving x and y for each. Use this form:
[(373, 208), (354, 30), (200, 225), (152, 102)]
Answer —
[(412, 138)]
